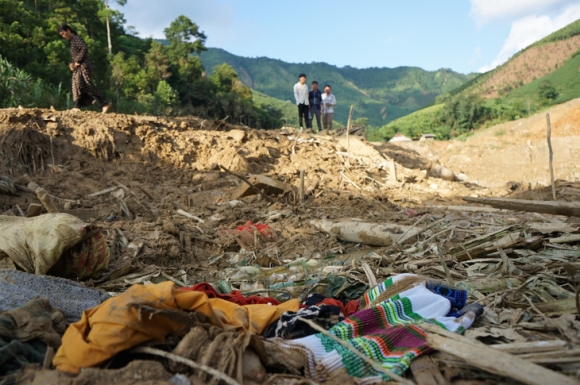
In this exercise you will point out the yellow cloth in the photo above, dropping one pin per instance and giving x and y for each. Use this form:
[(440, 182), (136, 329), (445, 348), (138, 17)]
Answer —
[(117, 325)]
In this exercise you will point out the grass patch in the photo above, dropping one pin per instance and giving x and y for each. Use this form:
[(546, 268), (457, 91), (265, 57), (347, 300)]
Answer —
[(500, 132)]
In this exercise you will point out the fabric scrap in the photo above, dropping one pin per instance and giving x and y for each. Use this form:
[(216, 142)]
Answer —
[(350, 308), (235, 296), (117, 325), (289, 326), (26, 332), (18, 287), (389, 332)]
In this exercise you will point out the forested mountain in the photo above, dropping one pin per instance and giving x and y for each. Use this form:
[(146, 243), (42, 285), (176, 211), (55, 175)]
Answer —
[(379, 94), (541, 75), (138, 75)]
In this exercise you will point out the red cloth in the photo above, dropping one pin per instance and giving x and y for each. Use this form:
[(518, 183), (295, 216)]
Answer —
[(235, 296), (350, 308)]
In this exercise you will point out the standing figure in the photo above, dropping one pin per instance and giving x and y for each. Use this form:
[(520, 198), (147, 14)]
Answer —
[(84, 90), (301, 95), (328, 104), (314, 99)]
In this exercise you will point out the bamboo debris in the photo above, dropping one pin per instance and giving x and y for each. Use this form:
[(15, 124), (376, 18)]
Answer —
[(497, 361)]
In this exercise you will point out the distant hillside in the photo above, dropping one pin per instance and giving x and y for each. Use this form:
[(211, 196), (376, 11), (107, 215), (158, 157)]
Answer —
[(380, 94), (543, 74), (533, 62)]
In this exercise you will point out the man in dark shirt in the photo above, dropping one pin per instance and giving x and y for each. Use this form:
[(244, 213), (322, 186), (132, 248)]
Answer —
[(314, 99)]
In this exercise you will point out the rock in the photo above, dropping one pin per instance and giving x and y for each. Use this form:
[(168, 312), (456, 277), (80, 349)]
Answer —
[(230, 159), (237, 135)]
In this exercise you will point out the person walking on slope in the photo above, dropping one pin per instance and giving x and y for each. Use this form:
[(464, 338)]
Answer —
[(328, 104), (84, 90), (301, 95), (314, 100)]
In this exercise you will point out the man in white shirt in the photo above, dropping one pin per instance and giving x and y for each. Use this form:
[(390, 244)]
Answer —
[(328, 104), (301, 95)]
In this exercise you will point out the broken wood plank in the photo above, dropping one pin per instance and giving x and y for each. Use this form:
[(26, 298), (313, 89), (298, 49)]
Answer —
[(496, 361), (426, 372), (255, 184), (34, 210), (46, 201), (569, 209)]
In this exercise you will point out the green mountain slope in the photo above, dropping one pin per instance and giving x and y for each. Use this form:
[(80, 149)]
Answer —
[(542, 74), (380, 94)]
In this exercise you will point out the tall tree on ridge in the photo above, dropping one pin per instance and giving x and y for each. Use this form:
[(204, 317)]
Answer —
[(107, 14)]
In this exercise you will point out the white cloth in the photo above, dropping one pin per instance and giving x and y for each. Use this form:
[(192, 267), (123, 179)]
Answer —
[(328, 99), (301, 93)]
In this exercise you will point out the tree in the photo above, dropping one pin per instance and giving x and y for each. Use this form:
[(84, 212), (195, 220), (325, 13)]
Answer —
[(547, 92), (185, 39), (108, 13)]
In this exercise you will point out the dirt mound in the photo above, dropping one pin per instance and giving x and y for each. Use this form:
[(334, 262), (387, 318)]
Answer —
[(515, 151), (160, 165), (159, 190)]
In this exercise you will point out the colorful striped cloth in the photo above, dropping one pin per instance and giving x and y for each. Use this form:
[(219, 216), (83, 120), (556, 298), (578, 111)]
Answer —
[(387, 330)]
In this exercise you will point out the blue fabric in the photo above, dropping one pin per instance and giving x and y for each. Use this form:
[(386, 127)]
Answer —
[(315, 100), (457, 297)]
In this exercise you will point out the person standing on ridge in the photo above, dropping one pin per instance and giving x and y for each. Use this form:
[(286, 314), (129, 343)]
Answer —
[(328, 104), (84, 90), (314, 100), (301, 95)]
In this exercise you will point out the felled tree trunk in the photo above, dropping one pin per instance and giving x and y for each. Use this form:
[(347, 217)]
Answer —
[(374, 234)]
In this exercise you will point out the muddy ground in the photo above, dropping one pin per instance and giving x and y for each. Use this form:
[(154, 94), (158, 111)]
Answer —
[(164, 192)]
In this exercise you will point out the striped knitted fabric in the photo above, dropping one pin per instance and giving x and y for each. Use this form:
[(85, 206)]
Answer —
[(388, 332)]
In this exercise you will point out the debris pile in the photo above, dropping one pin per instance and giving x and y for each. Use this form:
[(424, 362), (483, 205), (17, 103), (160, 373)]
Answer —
[(235, 256)]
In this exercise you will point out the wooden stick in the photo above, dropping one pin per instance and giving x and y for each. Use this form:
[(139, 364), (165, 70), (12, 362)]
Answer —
[(348, 135), (551, 156), (266, 197), (174, 357), (376, 366), (531, 347), (190, 216), (570, 209), (350, 181), (107, 190), (496, 361), (426, 372), (301, 186), (295, 141)]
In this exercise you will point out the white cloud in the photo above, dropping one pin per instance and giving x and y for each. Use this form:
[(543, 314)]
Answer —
[(529, 29), (151, 17), (485, 11), (477, 54)]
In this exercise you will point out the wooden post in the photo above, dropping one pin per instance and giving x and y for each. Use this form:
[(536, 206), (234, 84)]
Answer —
[(348, 135), (301, 186), (551, 156)]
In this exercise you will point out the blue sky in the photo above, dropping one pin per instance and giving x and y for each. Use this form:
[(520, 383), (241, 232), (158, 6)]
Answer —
[(464, 35)]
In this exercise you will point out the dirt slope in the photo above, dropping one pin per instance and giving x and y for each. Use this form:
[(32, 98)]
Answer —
[(532, 64)]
